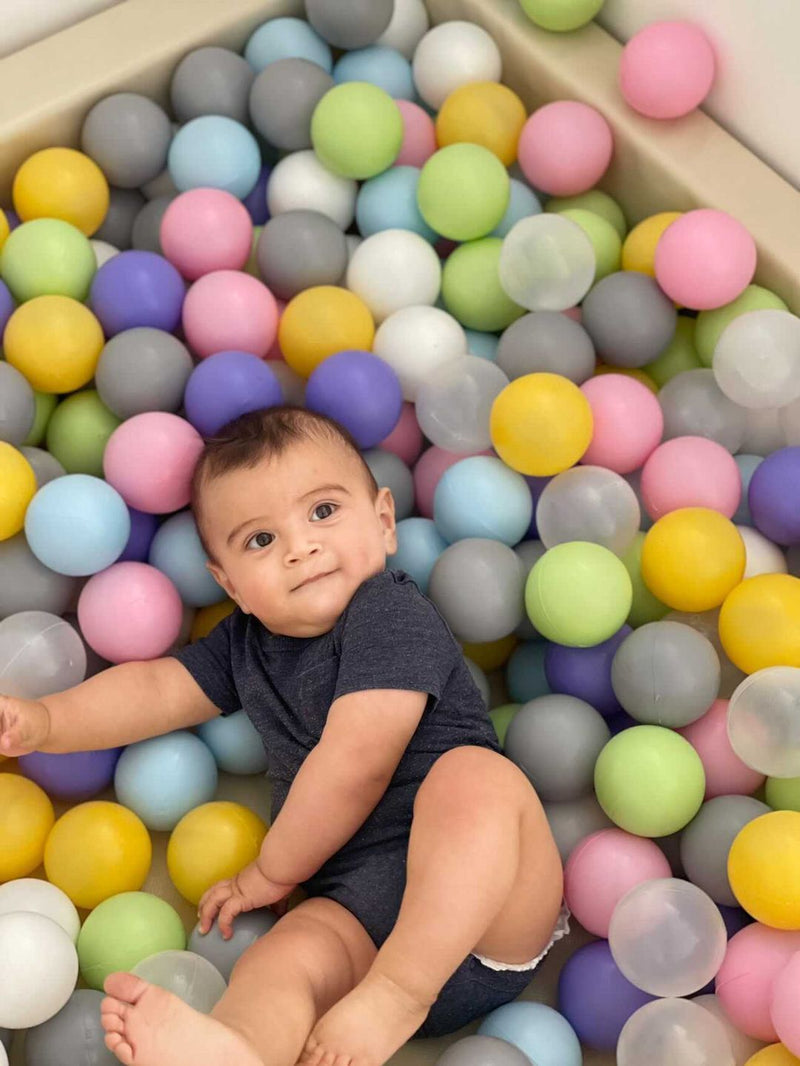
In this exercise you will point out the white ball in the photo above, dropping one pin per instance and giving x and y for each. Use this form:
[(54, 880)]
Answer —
[(766, 429), (300, 182), (38, 969), (454, 403), (547, 263), (416, 340), (394, 269), (451, 55), (409, 24), (352, 240), (743, 1046), (762, 556), (757, 359), (103, 251), (40, 897)]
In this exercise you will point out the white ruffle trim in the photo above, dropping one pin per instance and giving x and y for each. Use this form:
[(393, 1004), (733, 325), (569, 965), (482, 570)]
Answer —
[(560, 931)]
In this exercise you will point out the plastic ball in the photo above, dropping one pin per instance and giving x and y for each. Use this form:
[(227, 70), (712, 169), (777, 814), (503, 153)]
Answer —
[(155, 441), (31, 894), (163, 778), (38, 969), (775, 335), (186, 975), (394, 269), (299, 181), (352, 23), (142, 370), (356, 130), (26, 818), (522, 202), (392, 473), (650, 782), (227, 385), (389, 201), (428, 472), (705, 259), (320, 321), (61, 183), (39, 654), (385, 67), (627, 422), (639, 246), (763, 557), (706, 842), (691, 472), (585, 672), (214, 151), (282, 101), (298, 250), (763, 866), (78, 431), (725, 772), (604, 239), (666, 69), (28, 585), (211, 81), (694, 406), (47, 257), (588, 503), (537, 1030), (774, 1055), (286, 38), (483, 191), (784, 1005), (628, 318), (405, 440), (758, 621), (760, 721), (755, 957), (137, 289), (207, 617), (223, 954), (358, 390), (206, 229), (743, 1046), (454, 403), (235, 744), (712, 324), (73, 776), (55, 342), (419, 135), (453, 54), (485, 113), (560, 17), (471, 288), (489, 605), (584, 146), (549, 342), (210, 843), (17, 489), (547, 263), (177, 552), (128, 135), (770, 491), (481, 497), (674, 1030)]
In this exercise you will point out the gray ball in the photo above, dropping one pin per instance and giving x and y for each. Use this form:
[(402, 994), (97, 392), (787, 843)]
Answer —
[(391, 472), (480, 1050), (17, 405), (478, 585), (630, 320), (45, 466), (555, 741), (146, 234), (298, 250), (123, 207), (211, 81), (128, 136), (350, 23), (142, 369), (528, 552), (75, 1035), (546, 342), (573, 821), (283, 98), (707, 839), (694, 405), (247, 928), (481, 681), (665, 673), (28, 585)]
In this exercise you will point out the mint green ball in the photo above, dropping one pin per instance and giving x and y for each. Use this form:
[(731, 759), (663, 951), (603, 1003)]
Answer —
[(463, 191), (783, 793), (561, 15), (679, 355), (471, 289), (47, 257), (710, 324), (357, 130), (78, 432), (594, 200), (644, 606), (605, 240), (501, 719), (45, 405)]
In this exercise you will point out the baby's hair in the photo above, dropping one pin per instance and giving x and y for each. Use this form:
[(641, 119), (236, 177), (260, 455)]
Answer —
[(262, 434)]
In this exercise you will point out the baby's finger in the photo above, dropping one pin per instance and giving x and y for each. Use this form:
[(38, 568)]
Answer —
[(230, 909), (210, 905)]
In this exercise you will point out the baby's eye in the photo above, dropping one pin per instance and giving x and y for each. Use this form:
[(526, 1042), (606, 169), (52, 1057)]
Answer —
[(259, 540), (325, 510)]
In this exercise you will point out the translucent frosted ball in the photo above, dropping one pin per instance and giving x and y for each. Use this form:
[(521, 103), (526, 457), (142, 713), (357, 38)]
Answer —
[(764, 721), (757, 359), (454, 403), (667, 1032), (547, 263)]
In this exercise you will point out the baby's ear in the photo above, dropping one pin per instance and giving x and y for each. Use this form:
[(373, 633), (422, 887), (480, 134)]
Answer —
[(384, 506), (222, 579)]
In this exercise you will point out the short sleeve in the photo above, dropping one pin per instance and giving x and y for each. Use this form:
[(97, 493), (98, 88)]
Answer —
[(392, 637), (209, 661)]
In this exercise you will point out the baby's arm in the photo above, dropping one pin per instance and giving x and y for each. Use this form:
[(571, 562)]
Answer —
[(118, 706)]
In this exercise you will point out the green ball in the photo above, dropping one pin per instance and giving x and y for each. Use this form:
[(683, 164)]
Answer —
[(463, 191), (471, 289), (606, 242), (679, 355), (47, 257), (357, 130), (45, 405), (644, 606), (125, 929), (783, 793), (561, 15), (594, 200), (578, 593), (78, 432), (649, 781), (501, 719), (710, 324)]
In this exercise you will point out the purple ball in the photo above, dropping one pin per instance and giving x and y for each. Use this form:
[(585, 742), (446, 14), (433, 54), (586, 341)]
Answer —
[(137, 288), (735, 919), (773, 494), (586, 672), (7, 306), (226, 385), (143, 529), (256, 201), (537, 487), (595, 998), (619, 721), (358, 390), (75, 775)]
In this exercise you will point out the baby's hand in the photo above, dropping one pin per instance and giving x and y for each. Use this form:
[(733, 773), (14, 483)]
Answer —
[(245, 892), (24, 726)]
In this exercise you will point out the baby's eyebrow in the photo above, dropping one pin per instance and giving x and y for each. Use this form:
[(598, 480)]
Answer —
[(313, 492), (324, 488)]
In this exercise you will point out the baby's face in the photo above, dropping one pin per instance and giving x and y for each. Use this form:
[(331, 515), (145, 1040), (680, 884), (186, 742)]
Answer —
[(294, 536)]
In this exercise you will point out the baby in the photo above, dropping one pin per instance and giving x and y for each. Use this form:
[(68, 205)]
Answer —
[(433, 886)]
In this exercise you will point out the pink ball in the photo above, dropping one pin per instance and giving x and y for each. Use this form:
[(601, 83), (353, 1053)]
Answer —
[(565, 148), (784, 1013), (204, 230), (726, 774), (602, 868), (419, 135), (744, 983), (691, 472), (628, 422), (275, 351), (428, 472), (149, 460), (406, 439), (666, 69), (229, 311), (130, 611), (705, 259)]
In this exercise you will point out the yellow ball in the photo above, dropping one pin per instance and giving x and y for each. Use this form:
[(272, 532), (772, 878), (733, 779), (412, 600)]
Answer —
[(759, 622), (320, 321), (61, 183), (211, 843), (774, 1055), (26, 818), (541, 424), (208, 617), (485, 113), (17, 489), (639, 247), (493, 654), (634, 372), (764, 869), (97, 850), (692, 558), (55, 342), (5, 229)]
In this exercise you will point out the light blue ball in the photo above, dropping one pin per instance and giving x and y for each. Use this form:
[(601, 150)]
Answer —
[(286, 38), (484, 345), (177, 552), (481, 497), (543, 1034), (747, 467), (216, 152), (525, 675), (385, 67), (419, 545), (165, 777), (389, 201), (522, 202), (77, 525), (235, 744)]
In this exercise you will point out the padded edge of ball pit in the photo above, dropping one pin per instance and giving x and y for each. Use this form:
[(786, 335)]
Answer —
[(46, 89)]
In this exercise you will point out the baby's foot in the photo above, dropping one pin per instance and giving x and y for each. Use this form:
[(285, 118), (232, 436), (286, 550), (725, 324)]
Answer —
[(148, 1026), (366, 1026)]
